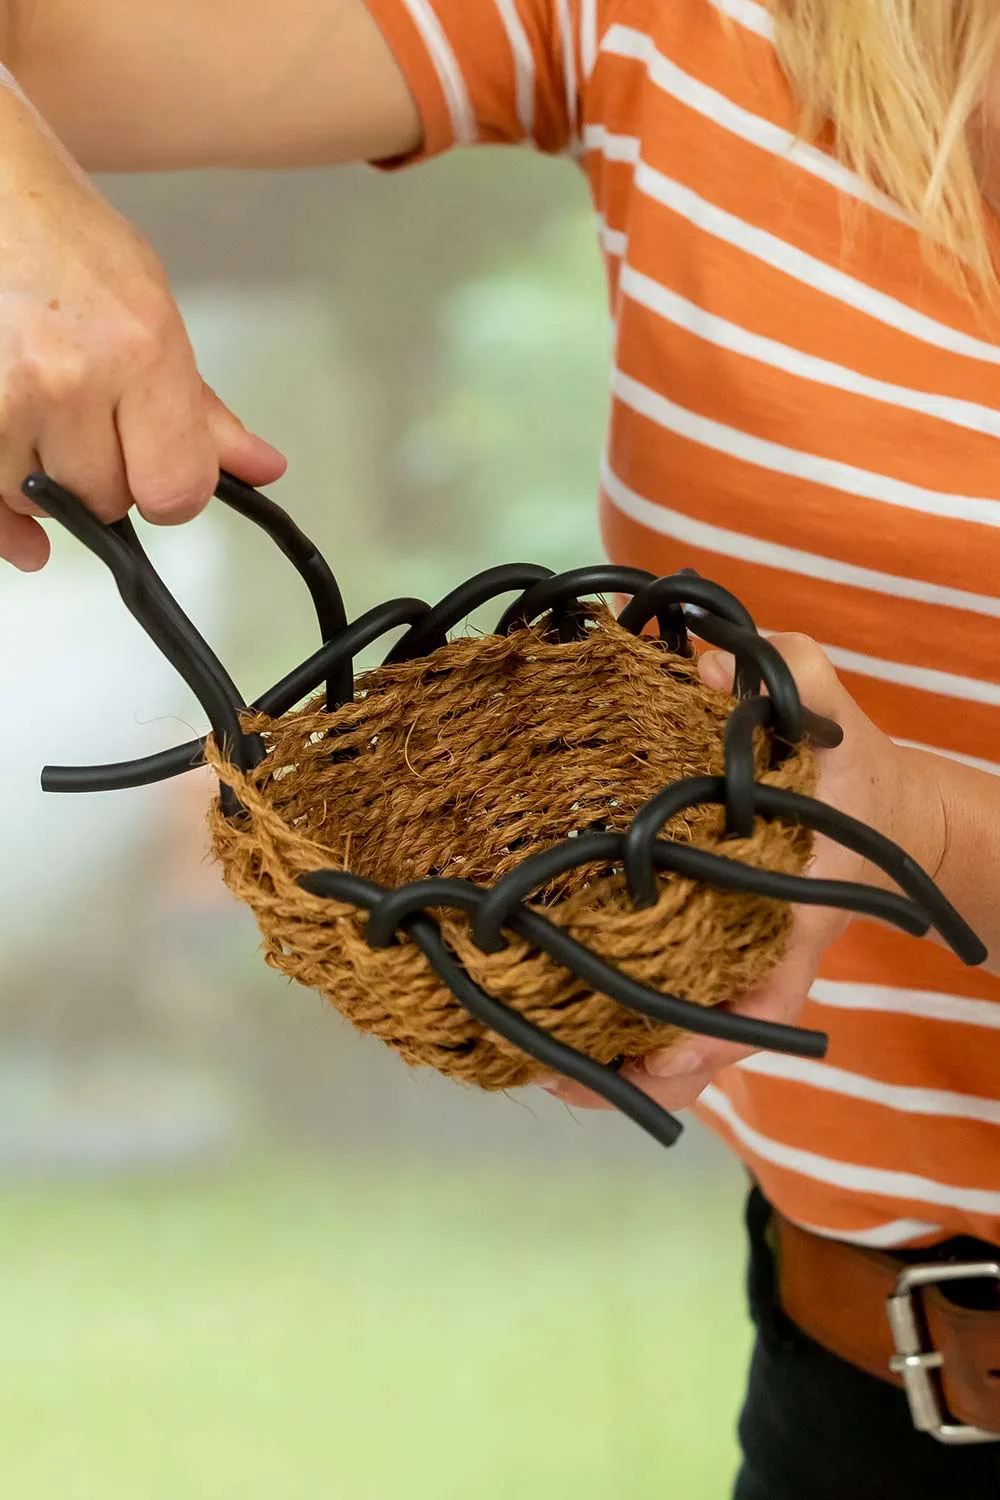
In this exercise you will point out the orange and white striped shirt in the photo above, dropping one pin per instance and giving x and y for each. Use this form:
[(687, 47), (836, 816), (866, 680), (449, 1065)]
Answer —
[(803, 411)]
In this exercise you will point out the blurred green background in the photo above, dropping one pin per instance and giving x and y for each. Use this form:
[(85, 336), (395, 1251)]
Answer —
[(241, 1251)]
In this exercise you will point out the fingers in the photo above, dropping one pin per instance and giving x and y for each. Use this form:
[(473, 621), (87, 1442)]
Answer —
[(170, 462), (22, 541), (672, 1093), (175, 437), (693, 1062), (814, 672), (573, 1094), (81, 451), (241, 452), (60, 410), (18, 459), (675, 1076), (84, 449), (779, 1000)]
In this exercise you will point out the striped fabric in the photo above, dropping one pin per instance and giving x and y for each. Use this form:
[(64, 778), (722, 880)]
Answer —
[(803, 411)]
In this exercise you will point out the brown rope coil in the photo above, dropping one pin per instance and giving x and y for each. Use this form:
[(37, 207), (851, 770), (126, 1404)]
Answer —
[(461, 764)]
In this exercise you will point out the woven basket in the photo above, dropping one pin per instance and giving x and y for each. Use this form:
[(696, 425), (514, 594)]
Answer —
[(545, 850), (462, 764)]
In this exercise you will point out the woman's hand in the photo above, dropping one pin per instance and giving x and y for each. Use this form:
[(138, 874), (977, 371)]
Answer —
[(869, 777), (98, 381)]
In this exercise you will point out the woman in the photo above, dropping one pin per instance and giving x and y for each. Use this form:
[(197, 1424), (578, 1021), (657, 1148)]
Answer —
[(794, 203)]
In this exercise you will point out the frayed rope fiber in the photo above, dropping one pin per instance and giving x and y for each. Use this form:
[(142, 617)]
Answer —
[(463, 763)]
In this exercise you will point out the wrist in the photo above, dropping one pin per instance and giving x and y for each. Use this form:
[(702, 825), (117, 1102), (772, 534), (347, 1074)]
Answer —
[(903, 800), (918, 820), (34, 155)]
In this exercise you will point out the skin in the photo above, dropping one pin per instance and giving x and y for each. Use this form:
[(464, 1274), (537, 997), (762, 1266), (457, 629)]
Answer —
[(99, 385)]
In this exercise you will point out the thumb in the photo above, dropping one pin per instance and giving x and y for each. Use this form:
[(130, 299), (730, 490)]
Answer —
[(242, 453), (717, 669), (684, 1069), (815, 675)]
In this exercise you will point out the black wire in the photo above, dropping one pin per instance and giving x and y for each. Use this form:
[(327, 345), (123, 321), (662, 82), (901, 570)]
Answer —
[(365, 630), (432, 631), (154, 608), (741, 777), (309, 562), (394, 910), (158, 612), (880, 851), (721, 620), (510, 1024), (683, 588), (640, 843), (566, 588), (640, 836), (609, 1085), (126, 775), (716, 870), (768, 662), (292, 688), (688, 588)]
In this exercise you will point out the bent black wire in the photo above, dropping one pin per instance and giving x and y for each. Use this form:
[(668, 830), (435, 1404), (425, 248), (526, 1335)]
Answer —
[(309, 562), (506, 1022), (150, 602), (680, 604), (284, 695), (392, 911), (641, 846), (428, 634)]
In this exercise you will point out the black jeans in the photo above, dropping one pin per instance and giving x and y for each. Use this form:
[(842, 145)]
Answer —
[(815, 1428)]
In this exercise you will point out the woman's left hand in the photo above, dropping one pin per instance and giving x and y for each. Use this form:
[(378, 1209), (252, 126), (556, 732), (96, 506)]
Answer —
[(868, 776)]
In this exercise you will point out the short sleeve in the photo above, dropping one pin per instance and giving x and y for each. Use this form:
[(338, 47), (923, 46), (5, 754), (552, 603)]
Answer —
[(486, 71)]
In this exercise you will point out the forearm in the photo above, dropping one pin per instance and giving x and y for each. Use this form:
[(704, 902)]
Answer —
[(189, 83)]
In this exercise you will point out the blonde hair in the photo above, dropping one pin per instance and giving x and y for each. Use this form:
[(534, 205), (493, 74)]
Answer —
[(902, 84)]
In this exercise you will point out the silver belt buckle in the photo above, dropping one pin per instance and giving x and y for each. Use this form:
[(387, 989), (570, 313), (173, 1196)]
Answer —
[(917, 1364)]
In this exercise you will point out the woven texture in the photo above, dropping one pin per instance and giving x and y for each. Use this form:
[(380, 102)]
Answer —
[(463, 763)]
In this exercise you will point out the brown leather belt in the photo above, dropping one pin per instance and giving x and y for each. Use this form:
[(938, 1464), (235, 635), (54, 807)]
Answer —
[(892, 1318)]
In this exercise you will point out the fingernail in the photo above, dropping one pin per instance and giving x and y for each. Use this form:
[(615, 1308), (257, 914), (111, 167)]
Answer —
[(674, 1062), (717, 668), (547, 1081)]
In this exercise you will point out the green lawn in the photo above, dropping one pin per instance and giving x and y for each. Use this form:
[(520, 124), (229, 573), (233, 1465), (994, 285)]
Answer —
[(295, 1332)]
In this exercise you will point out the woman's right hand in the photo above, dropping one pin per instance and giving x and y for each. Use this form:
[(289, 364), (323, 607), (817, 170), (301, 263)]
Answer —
[(98, 381)]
